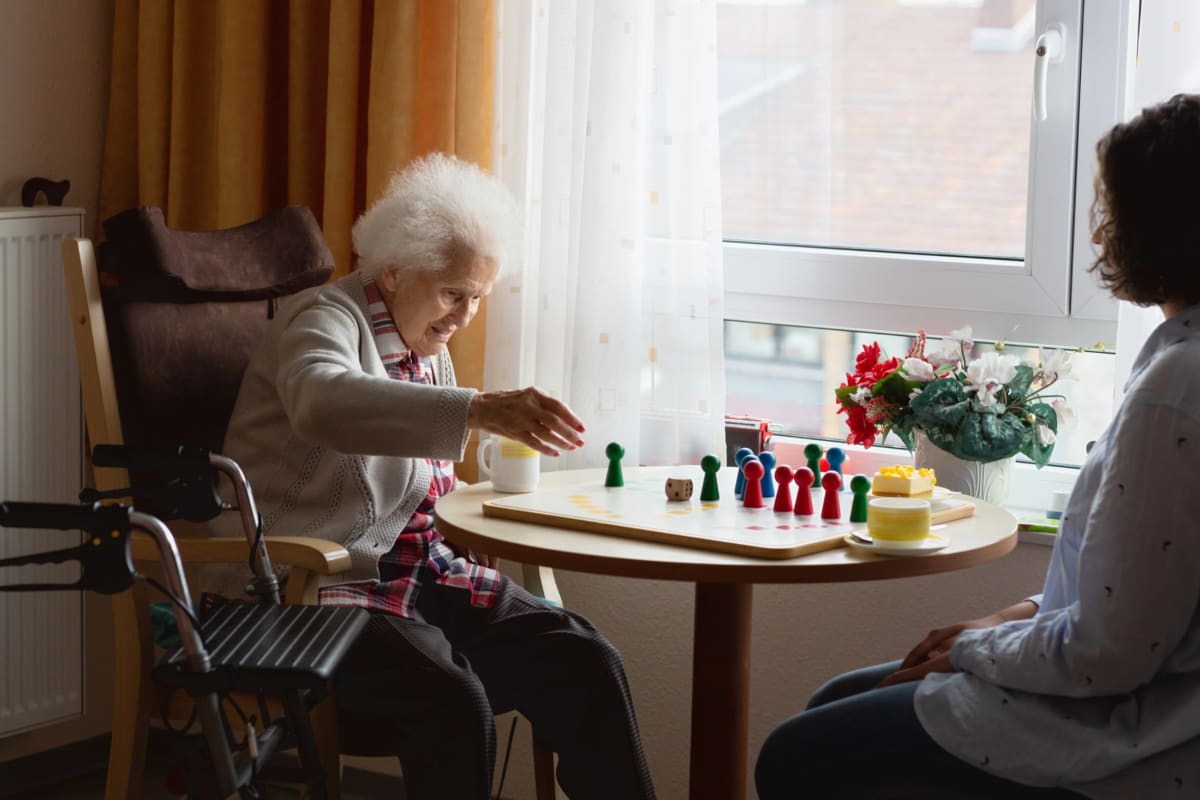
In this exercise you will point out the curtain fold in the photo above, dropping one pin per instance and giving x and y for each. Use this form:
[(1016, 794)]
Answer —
[(221, 111), (607, 132), (1168, 62)]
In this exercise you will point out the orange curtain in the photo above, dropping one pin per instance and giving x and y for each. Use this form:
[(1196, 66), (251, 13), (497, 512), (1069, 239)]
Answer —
[(221, 111)]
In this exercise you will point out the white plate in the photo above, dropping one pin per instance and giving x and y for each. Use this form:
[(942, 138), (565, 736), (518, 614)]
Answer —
[(930, 544)]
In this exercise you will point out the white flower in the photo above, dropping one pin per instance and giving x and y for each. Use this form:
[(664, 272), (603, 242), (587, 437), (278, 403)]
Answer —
[(960, 341), (1066, 414), (913, 394), (991, 367), (942, 358), (861, 395), (986, 394), (1045, 435), (962, 337), (918, 369), (1056, 364), (987, 375)]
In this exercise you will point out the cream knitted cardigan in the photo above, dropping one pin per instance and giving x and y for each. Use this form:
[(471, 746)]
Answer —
[(333, 447)]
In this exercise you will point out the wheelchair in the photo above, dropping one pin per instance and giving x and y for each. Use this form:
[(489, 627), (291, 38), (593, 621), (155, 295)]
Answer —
[(258, 649)]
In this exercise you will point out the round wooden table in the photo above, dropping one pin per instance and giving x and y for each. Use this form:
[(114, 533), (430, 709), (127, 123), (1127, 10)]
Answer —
[(724, 592)]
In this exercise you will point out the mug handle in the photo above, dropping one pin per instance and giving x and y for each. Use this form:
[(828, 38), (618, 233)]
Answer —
[(485, 470)]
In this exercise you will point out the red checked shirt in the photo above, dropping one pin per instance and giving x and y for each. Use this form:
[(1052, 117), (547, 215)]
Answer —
[(420, 554)]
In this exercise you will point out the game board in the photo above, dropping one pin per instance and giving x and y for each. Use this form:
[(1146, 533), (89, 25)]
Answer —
[(640, 510)]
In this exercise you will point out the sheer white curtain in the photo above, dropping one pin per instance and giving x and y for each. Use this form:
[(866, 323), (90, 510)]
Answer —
[(1168, 62), (607, 133)]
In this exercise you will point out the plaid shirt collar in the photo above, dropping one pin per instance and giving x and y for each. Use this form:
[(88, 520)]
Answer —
[(400, 362)]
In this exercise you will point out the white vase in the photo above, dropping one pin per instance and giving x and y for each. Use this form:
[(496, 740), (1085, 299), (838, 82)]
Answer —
[(987, 480)]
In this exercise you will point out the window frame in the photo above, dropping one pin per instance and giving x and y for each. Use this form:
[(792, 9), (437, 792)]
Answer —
[(1047, 298)]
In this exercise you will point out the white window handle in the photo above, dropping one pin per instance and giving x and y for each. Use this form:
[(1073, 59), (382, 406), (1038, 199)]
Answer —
[(1048, 49)]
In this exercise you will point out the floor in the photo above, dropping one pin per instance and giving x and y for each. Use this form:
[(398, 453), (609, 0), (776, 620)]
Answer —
[(86, 781)]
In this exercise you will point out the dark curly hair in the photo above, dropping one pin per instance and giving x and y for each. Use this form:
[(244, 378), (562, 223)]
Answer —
[(1147, 208)]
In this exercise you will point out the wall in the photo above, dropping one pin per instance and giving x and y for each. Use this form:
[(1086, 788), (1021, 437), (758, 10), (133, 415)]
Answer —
[(803, 634), (54, 65)]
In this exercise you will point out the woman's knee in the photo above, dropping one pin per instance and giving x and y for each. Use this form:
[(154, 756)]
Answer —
[(591, 652), (777, 770), (851, 683)]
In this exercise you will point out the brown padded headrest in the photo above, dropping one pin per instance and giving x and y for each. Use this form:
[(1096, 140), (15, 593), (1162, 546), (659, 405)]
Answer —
[(277, 255)]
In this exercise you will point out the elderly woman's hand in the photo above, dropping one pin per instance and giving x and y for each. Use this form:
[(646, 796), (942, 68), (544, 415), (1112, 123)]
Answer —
[(527, 415)]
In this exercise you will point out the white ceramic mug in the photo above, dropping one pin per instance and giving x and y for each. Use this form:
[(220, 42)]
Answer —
[(513, 466)]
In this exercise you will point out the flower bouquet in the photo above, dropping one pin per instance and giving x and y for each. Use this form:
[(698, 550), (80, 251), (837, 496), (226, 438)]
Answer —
[(985, 409)]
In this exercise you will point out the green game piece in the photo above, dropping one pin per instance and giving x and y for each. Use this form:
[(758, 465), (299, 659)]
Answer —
[(615, 453), (709, 492), (813, 453), (860, 485)]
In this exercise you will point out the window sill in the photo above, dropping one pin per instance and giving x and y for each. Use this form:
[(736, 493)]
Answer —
[(1037, 537)]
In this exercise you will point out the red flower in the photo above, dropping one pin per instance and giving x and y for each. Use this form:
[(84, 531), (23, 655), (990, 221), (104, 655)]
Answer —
[(918, 347), (862, 431), (864, 421), (868, 369), (880, 410), (867, 359), (885, 369)]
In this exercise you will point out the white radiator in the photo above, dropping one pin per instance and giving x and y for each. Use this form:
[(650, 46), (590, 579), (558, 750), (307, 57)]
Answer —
[(41, 653)]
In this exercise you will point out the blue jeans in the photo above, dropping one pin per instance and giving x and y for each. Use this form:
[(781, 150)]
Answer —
[(857, 742)]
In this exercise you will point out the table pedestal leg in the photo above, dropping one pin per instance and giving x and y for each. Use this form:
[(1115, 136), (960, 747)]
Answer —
[(720, 691)]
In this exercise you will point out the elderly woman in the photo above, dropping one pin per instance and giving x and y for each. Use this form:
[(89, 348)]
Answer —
[(1091, 689), (348, 423)]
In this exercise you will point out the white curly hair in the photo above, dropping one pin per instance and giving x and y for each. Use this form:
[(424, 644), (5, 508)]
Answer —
[(433, 209)]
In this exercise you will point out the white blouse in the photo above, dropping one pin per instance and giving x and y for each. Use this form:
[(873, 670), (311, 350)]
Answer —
[(1100, 691)]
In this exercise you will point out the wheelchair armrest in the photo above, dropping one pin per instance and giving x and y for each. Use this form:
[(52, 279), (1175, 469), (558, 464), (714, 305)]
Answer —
[(315, 555)]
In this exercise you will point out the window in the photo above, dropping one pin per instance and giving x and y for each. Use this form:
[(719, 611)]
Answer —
[(890, 165), (788, 374)]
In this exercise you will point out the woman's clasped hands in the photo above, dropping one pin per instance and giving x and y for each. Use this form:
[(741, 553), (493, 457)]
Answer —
[(932, 654)]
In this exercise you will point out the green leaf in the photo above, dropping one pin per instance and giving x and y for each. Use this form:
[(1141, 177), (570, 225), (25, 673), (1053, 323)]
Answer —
[(844, 393), (1044, 412), (941, 405), (904, 434), (1031, 445), (1018, 387), (989, 437), (894, 388)]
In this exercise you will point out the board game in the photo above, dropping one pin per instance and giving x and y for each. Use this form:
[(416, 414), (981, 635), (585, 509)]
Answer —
[(641, 510)]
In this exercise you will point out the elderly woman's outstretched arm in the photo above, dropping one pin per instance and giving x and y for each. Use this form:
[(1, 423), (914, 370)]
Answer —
[(330, 401)]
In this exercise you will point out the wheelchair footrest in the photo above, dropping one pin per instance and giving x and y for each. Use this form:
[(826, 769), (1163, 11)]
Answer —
[(255, 647)]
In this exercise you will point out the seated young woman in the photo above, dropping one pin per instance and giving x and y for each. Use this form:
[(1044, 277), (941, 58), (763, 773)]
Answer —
[(1091, 689)]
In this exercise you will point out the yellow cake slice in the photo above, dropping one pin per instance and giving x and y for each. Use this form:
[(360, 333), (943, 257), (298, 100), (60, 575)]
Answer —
[(902, 480), (898, 521)]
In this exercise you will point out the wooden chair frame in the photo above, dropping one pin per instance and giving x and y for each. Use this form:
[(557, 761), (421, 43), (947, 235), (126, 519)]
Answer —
[(134, 694)]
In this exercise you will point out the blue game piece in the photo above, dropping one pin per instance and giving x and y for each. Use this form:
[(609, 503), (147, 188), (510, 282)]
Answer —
[(835, 457), (768, 479), (739, 485)]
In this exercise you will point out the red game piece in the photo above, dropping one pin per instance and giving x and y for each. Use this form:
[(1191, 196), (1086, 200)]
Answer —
[(804, 479), (783, 495), (831, 482), (753, 470)]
